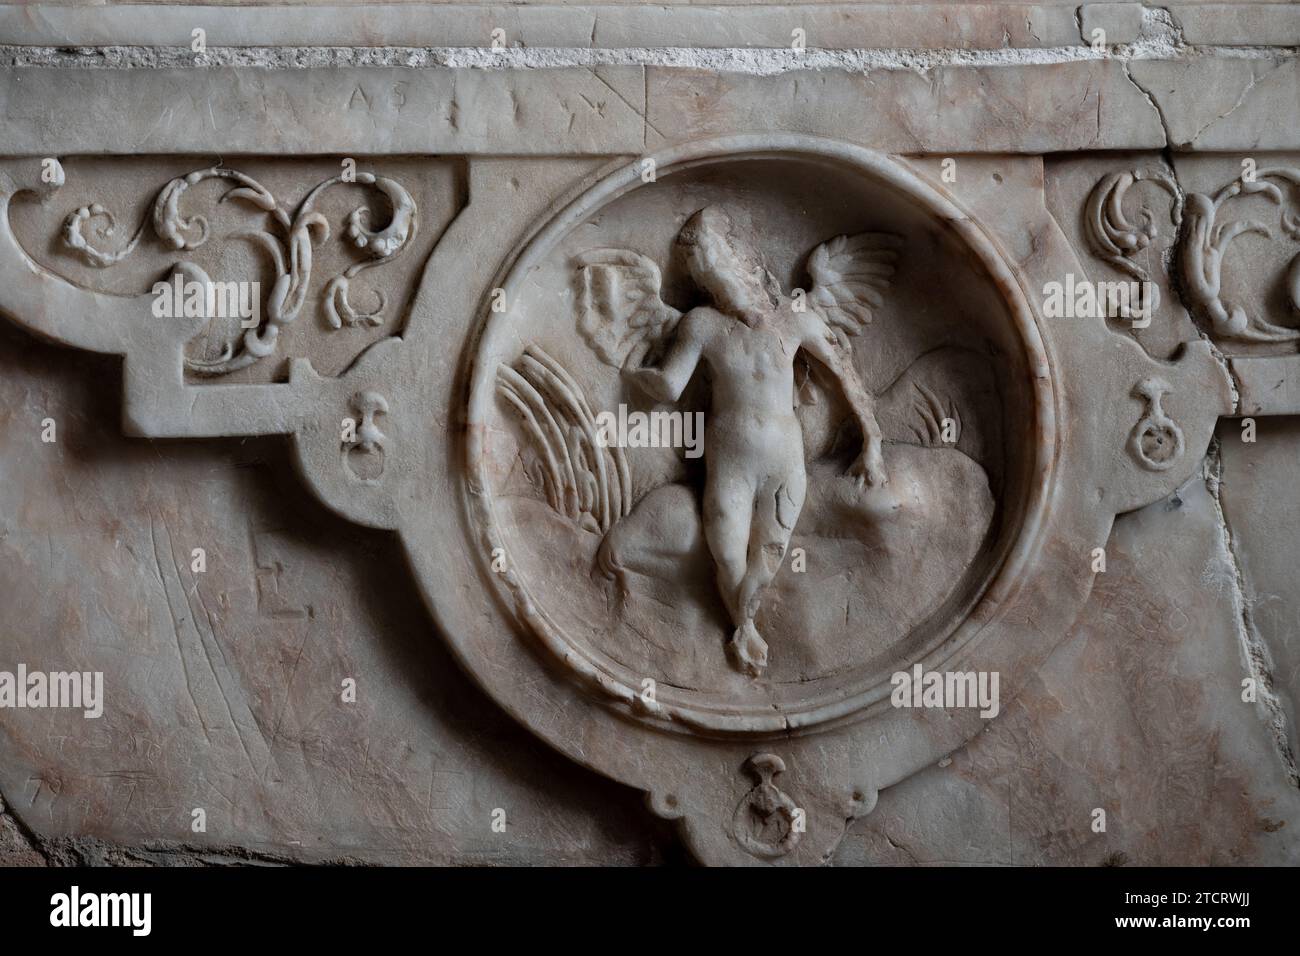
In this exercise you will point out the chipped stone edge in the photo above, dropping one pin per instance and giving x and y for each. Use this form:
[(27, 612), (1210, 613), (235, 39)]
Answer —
[(845, 24), (1160, 38), (21, 845), (848, 24)]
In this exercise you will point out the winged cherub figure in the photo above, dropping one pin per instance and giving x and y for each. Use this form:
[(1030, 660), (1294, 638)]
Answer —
[(748, 337)]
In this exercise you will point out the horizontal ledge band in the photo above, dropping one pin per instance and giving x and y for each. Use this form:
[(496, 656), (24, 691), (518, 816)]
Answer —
[(1203, 104)]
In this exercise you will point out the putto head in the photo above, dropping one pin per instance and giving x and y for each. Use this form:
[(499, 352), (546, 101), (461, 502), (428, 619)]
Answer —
[(725, 266)]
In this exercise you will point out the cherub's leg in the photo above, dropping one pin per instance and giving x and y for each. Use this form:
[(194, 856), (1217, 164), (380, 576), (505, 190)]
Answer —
[(776, 510), (728, 513)]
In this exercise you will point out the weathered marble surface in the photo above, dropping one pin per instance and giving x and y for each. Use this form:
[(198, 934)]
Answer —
[(1167, 748), (1122, 691), (227, 684), (412, 773)]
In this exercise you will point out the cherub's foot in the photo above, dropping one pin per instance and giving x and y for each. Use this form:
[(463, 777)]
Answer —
[(748, 650), (869, 468), (876, 476)]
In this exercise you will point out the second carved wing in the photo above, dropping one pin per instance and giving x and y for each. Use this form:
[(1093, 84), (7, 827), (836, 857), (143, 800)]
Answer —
[(850, 276)]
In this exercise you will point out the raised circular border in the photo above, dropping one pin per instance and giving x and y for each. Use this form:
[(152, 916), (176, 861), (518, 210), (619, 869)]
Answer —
[(999, 587)]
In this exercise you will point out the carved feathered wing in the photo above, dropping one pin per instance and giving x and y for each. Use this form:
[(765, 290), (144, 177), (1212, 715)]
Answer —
[(618, 303), (850, 275)]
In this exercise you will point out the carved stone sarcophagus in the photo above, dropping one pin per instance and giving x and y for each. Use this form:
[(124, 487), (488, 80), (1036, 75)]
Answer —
[(861, 431)]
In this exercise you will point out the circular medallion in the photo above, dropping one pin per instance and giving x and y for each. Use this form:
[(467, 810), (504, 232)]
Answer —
[(754, 428)]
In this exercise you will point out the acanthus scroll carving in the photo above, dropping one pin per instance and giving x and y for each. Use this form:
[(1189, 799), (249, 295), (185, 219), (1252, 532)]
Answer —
[(1117, 239), (1203, 241), (288, 241)]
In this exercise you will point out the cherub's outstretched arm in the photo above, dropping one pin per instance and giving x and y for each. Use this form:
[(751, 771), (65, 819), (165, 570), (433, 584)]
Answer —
[(820, 342), (667, 381)]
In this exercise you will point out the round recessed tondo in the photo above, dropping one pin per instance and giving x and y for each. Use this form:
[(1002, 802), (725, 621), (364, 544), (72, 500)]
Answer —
[(598, 502)]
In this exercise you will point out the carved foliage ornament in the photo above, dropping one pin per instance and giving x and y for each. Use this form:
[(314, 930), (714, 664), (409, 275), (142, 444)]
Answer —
[(1203, 241), (288, 241)]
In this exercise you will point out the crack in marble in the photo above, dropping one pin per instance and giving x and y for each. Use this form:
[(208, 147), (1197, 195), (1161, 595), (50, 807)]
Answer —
[(1255, 653)]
